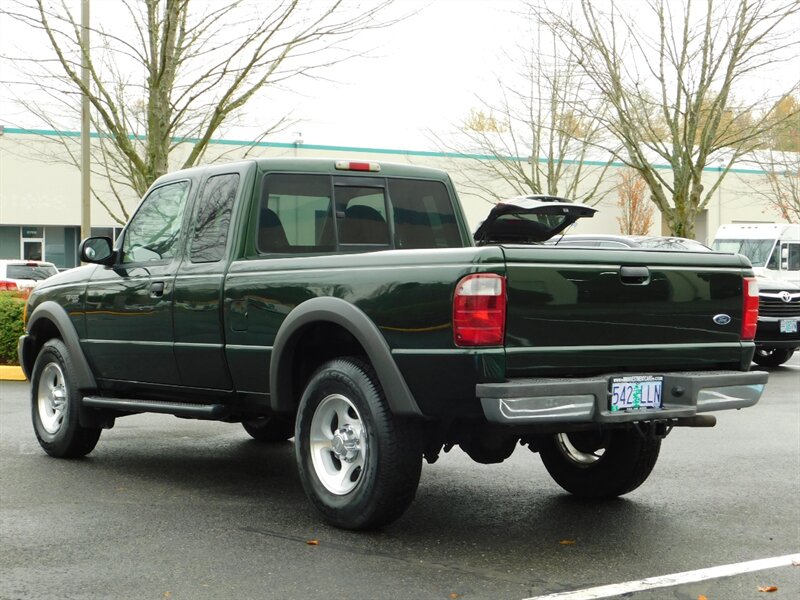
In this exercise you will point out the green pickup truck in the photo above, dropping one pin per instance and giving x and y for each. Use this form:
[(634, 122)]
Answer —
[(348, 305)]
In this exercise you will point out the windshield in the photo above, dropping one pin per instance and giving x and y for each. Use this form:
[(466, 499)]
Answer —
[(35, 272), (757, 251)]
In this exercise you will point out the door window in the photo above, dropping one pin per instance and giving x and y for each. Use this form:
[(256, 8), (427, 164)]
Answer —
[(213, 217), (32, 243), (154, 232), (792, 252), (32, 250)]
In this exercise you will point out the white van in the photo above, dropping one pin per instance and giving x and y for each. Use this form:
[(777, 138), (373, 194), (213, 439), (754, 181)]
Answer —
[(773, 249)]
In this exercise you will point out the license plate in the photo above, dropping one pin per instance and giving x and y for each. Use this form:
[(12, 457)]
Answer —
[(788, 326), (635, 392)]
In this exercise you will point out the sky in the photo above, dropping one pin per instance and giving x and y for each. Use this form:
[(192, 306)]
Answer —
[(423, 77), (421, 74)]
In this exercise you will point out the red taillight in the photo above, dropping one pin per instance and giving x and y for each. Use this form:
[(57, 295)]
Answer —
[(749, 308), (479, 310), (7, 286)]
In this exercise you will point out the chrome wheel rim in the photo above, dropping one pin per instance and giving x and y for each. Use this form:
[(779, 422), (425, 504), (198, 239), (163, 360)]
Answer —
[(579, 457), (52, 398), (338, 444)]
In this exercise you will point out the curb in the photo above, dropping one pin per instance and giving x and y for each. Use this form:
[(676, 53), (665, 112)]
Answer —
[(10, 373)]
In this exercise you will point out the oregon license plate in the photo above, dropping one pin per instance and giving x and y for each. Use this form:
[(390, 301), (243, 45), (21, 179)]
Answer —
[(635, 392), (788, 325)]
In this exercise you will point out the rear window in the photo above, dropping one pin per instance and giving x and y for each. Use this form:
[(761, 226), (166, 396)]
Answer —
[(302, 213), (35, 272)]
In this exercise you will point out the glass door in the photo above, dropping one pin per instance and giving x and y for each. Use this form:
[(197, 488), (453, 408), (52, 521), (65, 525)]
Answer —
[(32, 243)]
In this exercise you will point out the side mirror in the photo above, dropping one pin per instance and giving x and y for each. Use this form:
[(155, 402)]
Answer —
[(785, 257), (97, 250)]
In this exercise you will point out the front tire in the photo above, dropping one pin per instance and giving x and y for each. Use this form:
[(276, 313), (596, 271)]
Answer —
[(55, 405), (599, 465), (359, 464), (772, 357)]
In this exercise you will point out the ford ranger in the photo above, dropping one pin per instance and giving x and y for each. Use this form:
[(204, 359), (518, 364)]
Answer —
[(348, 306)]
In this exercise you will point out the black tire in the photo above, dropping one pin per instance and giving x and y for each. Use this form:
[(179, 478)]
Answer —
[(55, 405), (371, 476), (593, 465), (772, 357), (269, 429)]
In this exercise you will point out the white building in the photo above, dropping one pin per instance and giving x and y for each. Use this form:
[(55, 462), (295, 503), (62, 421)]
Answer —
[(40, 193)]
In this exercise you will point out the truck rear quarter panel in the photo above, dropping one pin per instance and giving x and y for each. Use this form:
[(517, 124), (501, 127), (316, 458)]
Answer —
[(408, 294)]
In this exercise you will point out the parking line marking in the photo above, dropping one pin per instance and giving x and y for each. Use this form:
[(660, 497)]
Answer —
[(615, 589)]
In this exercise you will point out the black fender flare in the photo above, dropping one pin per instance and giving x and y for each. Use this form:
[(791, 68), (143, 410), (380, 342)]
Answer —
[(55, 313), (350, 317)]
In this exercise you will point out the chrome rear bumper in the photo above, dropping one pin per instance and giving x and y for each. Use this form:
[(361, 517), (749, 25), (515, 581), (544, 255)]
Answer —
[(585, 400)]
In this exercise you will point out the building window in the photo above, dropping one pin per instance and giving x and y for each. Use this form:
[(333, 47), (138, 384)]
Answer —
[(9, 242)]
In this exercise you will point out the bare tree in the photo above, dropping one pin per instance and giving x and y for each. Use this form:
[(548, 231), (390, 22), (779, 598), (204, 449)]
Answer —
[(780, 162), (530, 139), (169, 74), (780, 185), (636, 211), (671, 72)]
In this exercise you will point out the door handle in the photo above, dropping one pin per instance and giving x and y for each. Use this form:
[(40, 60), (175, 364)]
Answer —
[(634, 275), (157, 289)]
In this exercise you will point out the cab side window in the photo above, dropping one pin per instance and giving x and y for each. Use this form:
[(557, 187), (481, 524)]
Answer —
[(212, 218), (423, 215), (295, 214), (154, 231)]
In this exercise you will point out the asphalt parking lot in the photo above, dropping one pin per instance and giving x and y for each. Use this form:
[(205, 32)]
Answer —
[(168, 508)]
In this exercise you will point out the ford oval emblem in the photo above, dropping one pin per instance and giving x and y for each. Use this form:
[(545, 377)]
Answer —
[(722, 319)]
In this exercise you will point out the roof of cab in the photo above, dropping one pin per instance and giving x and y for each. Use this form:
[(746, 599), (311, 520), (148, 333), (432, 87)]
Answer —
[(329, 165), (316, 165)]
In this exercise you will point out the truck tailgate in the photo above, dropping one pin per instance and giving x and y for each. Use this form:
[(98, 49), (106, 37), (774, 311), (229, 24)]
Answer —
[(590, 310)]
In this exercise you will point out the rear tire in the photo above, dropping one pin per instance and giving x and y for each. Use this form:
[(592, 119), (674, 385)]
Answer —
[(269, 429), (359, 464), (772, 357), (55, 405), (594, 465)]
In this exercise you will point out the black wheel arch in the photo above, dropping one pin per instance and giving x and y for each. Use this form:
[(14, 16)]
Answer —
[(330, 312), (50, 320)]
